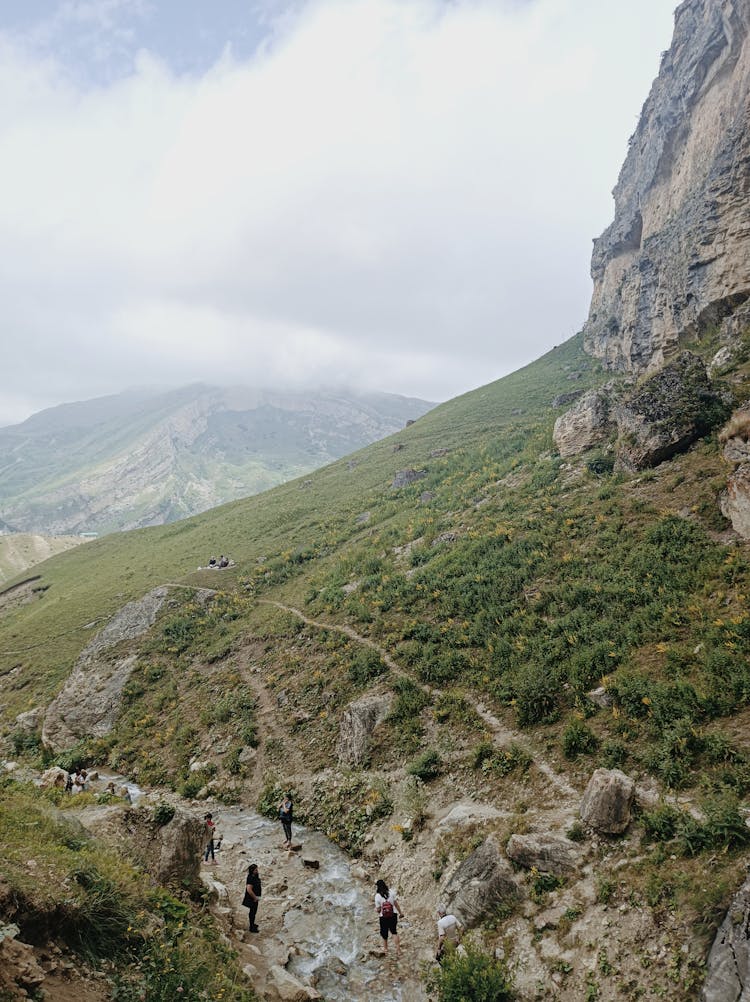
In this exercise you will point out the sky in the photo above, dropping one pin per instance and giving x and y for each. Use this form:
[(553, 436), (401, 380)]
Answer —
[(391, 195)]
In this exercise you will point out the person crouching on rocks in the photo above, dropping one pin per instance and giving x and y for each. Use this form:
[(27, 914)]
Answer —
[(252, 895), (389, 910)]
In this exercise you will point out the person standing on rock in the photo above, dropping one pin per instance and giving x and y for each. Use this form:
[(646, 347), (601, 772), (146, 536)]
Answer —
[(252, 895), (209, 832), (285, 816), (389, 911)]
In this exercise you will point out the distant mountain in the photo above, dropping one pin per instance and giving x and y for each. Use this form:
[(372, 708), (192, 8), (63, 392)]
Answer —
[(19, 551), (145, 458)]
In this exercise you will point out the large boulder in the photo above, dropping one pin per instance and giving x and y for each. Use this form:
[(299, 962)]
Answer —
[(607, 801), (405, 477), (30, 721), (728, 965), (20, 974), (585, 425), (546, 853), (482, 886), (667, 414), (358, 722), (735, 500), (89, 702), (170, 852)]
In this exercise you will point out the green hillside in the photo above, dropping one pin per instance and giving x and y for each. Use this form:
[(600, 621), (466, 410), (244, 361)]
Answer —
[(489, 598)]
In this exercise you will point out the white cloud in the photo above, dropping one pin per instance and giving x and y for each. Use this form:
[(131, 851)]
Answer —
[(399, 193)]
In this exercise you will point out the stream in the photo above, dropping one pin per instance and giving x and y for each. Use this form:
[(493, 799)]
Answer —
[(318, 924)]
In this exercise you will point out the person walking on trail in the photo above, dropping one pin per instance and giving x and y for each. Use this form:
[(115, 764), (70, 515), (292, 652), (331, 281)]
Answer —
[(209, 832), (252, 895), (389, 911), (449, 932), (285, 816)]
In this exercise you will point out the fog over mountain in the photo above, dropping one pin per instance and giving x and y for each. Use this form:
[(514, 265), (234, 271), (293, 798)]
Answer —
[(143, 457)]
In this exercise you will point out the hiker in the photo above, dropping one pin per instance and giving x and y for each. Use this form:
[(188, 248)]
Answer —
[(85, 779), (223, 562), (449, 932), (389, 910), (212, 562), (209, 831), (110, 789), (69, 783), (78, 782), (252, 895), (285, 816), (125, 794)]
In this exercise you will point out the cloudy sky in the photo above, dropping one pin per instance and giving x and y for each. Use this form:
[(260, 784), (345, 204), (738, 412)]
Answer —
[(388, 194)]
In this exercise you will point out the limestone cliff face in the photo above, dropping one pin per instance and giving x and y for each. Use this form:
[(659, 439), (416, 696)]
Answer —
[(676, 259)]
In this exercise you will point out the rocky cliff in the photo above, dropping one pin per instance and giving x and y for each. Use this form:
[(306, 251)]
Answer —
[(676, 259)]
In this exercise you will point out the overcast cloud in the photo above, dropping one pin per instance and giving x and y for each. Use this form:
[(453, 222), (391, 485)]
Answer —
[(388, 194)]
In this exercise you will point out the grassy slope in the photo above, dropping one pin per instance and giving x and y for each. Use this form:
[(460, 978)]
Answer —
[(20, 551), (523, 581)]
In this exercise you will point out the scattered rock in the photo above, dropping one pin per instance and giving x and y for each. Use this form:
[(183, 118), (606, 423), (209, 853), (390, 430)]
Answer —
[(470, 813), (398, 446), (311, 864), (607, 801), (30, 721), (20, 974), (405, 477), (288, 988), (735, 500), (547, 853), (54, 777), (437, 453), (364, 518), (426, 496), (445, 537), (600, 697), (563, 399)]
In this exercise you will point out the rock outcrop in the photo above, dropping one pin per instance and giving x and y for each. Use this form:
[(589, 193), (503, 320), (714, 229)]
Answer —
[(585, 425), (728, 964), (676, 259), (735, 501), (667, 414), (546, 853), (20, 974), (90, 700), (482, 886), (358, 722), (607, 801)]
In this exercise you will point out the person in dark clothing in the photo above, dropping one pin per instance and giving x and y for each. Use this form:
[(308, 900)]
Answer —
[(285, 816), (252, 895)]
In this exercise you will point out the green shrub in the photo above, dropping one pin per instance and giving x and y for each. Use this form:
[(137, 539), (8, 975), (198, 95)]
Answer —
[(163, 814), (661, 824), (613, 754), (578, 739), (410, 700), (365, 666), (427, 766), (471, 976)]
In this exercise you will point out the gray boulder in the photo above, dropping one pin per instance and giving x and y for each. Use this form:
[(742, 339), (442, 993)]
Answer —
[(482, 885), (547, 853), (30, 721), (607, 801), (405, 477), (728, 965), (585, 425), (735, 500), (667, 414), (358, 722)]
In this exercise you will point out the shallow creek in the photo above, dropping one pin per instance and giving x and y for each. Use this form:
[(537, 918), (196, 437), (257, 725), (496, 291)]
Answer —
[(318, 924)]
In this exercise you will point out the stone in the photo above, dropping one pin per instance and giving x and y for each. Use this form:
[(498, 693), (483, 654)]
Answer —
[(171, 852), (426, 496), (358, 721), (546, 853), (676, 259), (405, 477), (667, 414), (437, 453), (55, 777), (445, 537), (482, 885), (89, 702), (462, 814), (585, 425), (728, 964), (311, 864), (607, 801), (563, 399), (288, 988), (735, 500), (363, 519), (30, 721), (600, 697), (723, 358), (20, 974)]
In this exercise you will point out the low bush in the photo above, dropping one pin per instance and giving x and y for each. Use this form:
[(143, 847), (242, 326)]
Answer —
[(429, 765), (578, 739), (471, 975)]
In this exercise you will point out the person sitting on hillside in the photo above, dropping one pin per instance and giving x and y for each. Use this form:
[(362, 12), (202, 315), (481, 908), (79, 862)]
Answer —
[(79, 783), (223, 562), (212, 562)]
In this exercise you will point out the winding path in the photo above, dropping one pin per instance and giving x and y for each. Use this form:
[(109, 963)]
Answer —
[(501, 735)]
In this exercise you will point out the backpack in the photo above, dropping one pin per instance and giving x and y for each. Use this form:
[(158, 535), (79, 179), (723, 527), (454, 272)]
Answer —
[(386, 909)]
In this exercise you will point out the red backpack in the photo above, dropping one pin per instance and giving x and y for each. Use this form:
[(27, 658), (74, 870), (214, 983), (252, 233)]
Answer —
[(386, 909)]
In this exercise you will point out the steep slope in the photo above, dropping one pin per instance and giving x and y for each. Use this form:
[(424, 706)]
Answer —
[(19, 551), (676, 259), (143, 458)]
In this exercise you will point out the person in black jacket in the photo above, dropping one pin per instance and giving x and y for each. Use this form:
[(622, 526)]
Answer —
[(252, 894), (285, 816)]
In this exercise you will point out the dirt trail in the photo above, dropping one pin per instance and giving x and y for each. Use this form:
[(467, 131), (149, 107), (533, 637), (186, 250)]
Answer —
[(501, 735)]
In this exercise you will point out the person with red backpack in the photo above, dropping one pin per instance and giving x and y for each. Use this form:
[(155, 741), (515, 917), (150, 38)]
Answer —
[(389, 911)]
